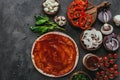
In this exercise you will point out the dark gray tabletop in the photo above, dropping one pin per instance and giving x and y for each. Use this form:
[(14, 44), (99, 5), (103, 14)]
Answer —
[(16, 38)]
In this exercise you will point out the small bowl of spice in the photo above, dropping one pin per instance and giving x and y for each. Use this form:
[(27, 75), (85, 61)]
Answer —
[(80, 75), (91, 62), (112, 42), (50, 7)]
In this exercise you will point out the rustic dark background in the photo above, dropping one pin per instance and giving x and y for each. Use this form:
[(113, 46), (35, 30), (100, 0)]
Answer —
[(16, 38)]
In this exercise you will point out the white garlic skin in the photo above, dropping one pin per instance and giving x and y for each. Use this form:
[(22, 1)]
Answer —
[(60, 20), (116, 19)]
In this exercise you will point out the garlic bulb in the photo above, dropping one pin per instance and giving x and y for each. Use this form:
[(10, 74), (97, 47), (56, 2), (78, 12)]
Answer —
[(60, 20), (92, 38), (116, 19), (107, 29)]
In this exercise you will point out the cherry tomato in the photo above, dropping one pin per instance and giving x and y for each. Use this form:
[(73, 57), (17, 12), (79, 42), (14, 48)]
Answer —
[(110, 56), (115, 66), (102, 64), (116, 73), (112, 70), (102, 73), (115, 55), (107, 64), (112, 61), (105, 58), (100, 59), (105, 77), (111, 76)]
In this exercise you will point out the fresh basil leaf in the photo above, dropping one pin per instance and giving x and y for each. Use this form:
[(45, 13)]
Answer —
[(41, 22), (34, 28)]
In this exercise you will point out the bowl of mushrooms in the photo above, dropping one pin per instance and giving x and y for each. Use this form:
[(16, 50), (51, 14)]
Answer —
[(91, 39), (50, 7)]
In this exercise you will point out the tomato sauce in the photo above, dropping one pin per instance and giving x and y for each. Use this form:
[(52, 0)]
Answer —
[(55, 54)]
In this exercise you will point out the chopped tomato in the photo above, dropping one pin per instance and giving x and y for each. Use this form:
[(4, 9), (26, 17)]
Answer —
[(77, 16)]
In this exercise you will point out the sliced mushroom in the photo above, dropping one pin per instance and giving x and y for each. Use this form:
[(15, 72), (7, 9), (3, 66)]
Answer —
[(107, 29)]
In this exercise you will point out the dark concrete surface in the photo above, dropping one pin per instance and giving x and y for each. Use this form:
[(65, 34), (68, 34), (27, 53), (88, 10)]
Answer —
[(16, 39)]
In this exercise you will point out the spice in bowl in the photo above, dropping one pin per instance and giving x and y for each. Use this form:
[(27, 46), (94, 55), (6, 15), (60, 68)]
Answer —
[(50, 7), (91, 62)]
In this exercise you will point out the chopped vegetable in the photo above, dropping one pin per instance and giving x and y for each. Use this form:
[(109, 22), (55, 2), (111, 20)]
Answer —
[(80, 77), (43, 25), (77, 16), (92, 38)]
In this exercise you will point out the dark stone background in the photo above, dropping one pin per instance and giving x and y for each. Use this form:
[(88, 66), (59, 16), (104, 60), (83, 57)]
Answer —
[(16, 39)]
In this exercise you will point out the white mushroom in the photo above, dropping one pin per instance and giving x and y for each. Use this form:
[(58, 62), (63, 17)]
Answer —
[(116, 19), (107, 29)]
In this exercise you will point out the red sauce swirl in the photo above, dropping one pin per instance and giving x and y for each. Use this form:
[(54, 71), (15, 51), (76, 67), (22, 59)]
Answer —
[(54, 54)]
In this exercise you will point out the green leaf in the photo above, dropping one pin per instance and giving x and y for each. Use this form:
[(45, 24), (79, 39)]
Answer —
[(39, 17), (34, 28), (43, 25), (41, 22)]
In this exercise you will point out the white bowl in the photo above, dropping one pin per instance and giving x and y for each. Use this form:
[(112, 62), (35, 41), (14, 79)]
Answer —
[(51, 75)]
